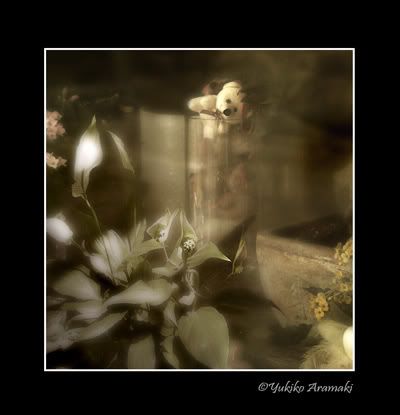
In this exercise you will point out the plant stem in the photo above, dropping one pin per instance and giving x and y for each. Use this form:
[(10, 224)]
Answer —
[(165, 252), (79, 247), (101, 236), (134, 216)]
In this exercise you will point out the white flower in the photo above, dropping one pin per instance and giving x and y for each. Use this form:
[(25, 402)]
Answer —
[(89, 154), (54, 128), (59, 230), (117, 250), (113, 250), (55, 162)]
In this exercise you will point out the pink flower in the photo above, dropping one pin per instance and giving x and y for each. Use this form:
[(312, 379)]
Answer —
[(53, 127), (55, 162)]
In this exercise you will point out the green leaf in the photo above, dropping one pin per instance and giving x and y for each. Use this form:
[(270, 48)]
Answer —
[(76, 284), (176, 257), (205, 335), (91, 309), (168, 352), (81, 318), (241, 254), (141, 354), (54, 301), (132, 263), (172, 266), (169, 313), (207, 251), (187, 229), (186, 232), (167, 331), (122, 152), (55, 322), (62, 340), (100, 327), (153, 293), (168, 270), (145, 247)]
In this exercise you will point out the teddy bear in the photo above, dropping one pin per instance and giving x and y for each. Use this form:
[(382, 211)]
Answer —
[(223, 102)]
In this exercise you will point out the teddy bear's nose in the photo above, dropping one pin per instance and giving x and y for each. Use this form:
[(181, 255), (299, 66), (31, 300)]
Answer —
[(227, 112)]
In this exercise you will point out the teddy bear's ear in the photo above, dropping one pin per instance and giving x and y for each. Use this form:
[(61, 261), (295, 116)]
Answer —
[(215, 86)]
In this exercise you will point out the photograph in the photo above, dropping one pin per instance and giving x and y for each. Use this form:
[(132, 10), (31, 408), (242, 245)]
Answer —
[(199, 209)]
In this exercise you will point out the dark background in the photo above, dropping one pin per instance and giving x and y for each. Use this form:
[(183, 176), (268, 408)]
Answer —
[(315, 85), (305, 148)]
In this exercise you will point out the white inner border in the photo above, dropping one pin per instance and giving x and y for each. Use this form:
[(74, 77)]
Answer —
[(196, 370)]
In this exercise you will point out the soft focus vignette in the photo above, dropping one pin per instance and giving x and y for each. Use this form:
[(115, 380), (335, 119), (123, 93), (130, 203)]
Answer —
[(133, 299)]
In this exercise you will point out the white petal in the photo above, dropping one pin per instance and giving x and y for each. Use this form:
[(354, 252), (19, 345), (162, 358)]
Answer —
[(59, 230), (89, 154), (116, 247), (136, 235), (188, 299), (99, 246), (100, 264)]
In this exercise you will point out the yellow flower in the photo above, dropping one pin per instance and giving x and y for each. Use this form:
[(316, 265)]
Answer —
[(319, 313), (344, 298), (344, 258), (313, 302), (347, 299), (322, 302), (319, 305), (344, 287), (348, 247), (324, 306), (344, 253)]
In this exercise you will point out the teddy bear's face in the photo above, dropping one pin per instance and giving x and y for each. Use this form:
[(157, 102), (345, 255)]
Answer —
[(229, 103)]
